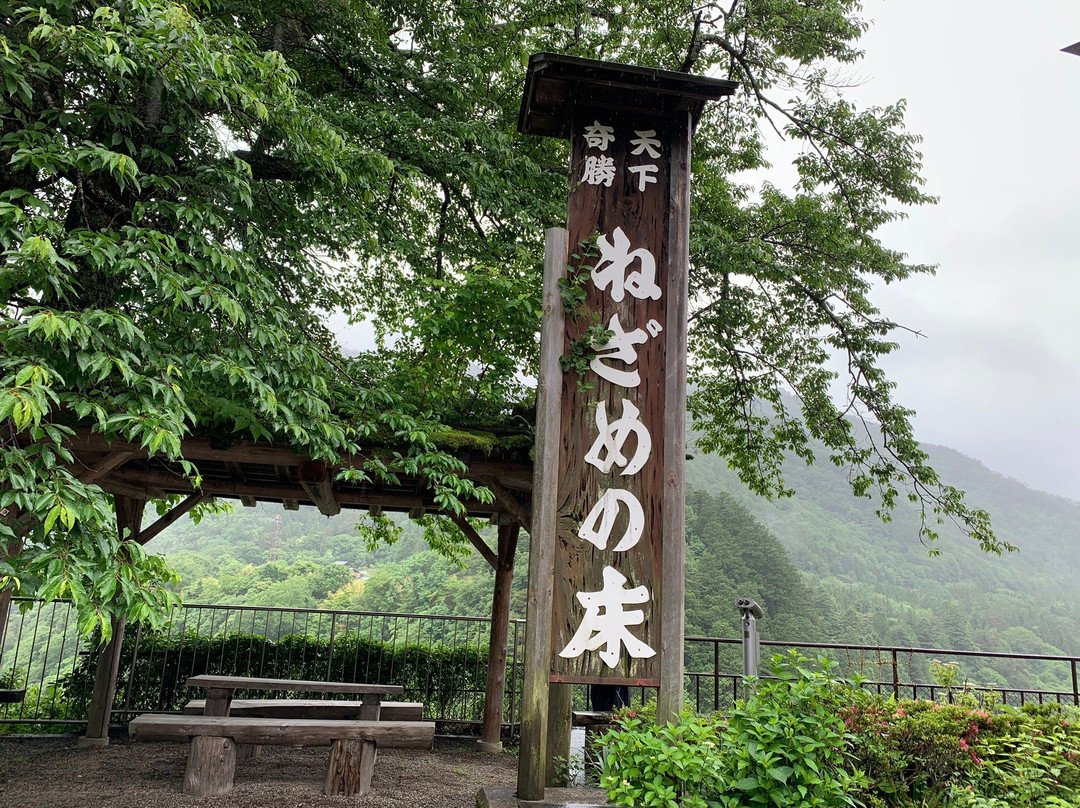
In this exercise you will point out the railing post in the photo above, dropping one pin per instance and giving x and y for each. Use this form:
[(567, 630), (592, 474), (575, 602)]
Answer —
[(716, 675), (1076, 691), (895, 676), (333, 635)]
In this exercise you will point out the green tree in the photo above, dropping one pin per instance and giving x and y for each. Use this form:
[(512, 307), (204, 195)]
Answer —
[(169, 201), (184, 188)]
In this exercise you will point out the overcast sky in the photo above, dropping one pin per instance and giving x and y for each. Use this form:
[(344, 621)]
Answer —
[(997, 375)]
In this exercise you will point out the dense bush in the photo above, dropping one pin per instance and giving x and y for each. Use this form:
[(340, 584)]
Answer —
[(784, 747), (807, 739)]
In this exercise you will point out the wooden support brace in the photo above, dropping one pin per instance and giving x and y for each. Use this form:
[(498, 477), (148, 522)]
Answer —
[(247, 500), (290, 504), (520, 514), (171, 517), (416, 513), (477, 542)]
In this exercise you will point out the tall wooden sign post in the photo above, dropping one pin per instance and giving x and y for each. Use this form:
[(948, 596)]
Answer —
[(605, 601)]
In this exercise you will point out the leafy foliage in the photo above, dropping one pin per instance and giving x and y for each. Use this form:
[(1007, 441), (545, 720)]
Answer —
[(784, 746), (184, 189), (805, 738), (168, 201)]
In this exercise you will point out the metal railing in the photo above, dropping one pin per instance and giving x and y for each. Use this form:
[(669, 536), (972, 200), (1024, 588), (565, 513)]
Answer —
[(899, 671), (440, 660)]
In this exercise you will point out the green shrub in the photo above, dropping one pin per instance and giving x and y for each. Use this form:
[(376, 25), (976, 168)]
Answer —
[(807, 739), (445, 678), (921, 753), (784, 747)]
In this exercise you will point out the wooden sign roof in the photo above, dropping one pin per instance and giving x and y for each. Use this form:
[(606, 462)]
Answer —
[(555, 84)]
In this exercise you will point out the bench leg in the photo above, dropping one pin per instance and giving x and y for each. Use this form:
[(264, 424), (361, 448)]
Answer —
[(247, 751), (352, 762), (210, 767)]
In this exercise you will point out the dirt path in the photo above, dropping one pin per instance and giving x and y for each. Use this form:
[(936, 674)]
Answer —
[(55, 773)]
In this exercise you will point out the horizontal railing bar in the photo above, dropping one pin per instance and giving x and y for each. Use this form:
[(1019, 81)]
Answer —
[(300, 610), (890, 648)]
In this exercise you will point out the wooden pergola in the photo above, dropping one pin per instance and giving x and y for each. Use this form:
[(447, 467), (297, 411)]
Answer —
[(264, 472)]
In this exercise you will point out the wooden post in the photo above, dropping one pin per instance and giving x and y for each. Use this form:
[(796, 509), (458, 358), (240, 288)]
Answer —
[(619, 538), (129, 513), (211, 766), (101, 701), (352, 762), (9, 516), (534, 690), (495, 687), (560, 721), (669, 701)]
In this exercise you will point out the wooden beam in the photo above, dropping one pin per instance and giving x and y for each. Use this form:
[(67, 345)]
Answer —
[(168, 519), (416, 512), (495, 687), (105, 465), (118, 487), (271, 492), (248, 501), (290, 504), (314, 477), (669, 700), (532, 765), (129, 515), (515, 474), (510, 503), (375, 510), (474, 539)]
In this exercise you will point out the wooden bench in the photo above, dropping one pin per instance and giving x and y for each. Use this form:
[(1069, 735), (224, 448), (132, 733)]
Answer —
[(313, 708), (211, 763)]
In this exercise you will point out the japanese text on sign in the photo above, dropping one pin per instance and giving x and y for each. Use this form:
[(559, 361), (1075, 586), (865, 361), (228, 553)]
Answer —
[(623, 270)]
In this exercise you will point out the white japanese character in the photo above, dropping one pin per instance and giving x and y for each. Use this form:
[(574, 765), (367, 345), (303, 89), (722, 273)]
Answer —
[(646, 143), (645, 174), (612, 437), (605, 512), (621, 347), (599, 171), (599, 136), (654, 327), (615, 258), (605, 623)]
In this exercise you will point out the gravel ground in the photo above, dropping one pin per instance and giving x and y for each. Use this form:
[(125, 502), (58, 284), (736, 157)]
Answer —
[(55, 773)]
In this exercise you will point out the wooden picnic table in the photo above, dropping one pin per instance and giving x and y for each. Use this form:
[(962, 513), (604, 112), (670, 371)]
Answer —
[(220, 689)]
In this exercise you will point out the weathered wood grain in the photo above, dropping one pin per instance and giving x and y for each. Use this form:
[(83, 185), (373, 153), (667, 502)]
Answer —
[(643, 216), (538, 626), (211, 767), (297, 685), (352, 762), (281, 732), (312, 708)]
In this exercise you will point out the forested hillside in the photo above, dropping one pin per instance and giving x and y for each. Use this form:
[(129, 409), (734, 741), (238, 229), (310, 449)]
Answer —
[(888, 586), (822, 564)]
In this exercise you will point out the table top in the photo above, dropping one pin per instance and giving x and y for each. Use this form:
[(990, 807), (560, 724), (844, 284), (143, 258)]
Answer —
[(311, 686)]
